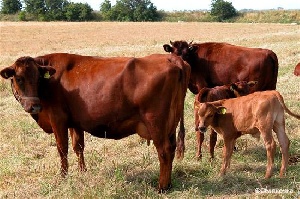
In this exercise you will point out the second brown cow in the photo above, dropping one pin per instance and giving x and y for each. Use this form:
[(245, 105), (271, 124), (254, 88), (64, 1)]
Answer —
[(216, 64)]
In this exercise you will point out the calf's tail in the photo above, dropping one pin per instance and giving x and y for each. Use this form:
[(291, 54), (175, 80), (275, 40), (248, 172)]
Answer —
[(280, 98)]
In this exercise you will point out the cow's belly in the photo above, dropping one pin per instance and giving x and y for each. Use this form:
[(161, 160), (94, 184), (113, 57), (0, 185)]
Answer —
[(120, 129)]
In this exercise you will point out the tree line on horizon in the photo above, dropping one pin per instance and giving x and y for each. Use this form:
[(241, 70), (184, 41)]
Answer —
[(123, 10)]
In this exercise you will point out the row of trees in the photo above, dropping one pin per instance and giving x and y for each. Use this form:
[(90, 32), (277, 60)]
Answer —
[(129, 10), (48, 10), (123, 10)]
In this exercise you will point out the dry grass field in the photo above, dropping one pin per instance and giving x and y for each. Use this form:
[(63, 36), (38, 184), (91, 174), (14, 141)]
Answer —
[(29, 162)]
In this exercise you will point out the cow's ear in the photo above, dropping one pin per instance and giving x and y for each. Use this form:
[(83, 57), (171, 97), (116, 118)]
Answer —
[(168, 48), (7, 72), (252, 83), (221, 110), (193, 48), (46, 71)]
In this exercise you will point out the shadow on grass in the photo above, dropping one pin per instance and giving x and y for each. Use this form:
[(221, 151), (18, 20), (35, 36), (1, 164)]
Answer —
[(200, 182), (204, 181), (201, 178)]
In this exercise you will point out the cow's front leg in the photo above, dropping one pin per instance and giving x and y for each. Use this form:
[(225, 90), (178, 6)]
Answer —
[(166, 152), (78, 146), (227, 152), (61, 136)]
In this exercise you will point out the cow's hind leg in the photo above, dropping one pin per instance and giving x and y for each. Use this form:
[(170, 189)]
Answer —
[(78, 146), (180, 141), (279, 129), (166, 151)]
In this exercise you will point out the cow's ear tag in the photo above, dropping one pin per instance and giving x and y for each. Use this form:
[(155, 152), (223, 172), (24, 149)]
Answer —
[(47, 75), (222, 110)]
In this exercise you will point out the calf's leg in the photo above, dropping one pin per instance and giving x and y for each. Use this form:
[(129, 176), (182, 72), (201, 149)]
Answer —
[(227, 153), (284, 143), (271, 148), (212, 143), (199, 139)]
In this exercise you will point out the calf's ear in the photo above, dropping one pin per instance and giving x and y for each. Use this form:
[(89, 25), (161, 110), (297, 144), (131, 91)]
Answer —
[(252, 83), (196, 104), (221, 110), (168, 48), (46, 71), (7, 72)]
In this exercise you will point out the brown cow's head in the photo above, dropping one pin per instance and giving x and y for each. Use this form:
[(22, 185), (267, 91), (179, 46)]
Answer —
[(181, 48), (242, 88), (25, 74), (207, 113)]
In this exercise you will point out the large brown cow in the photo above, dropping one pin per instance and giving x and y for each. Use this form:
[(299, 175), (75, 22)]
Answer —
[(107, 97), (237, 89), (216, 64), (297, 70), (259, 112)]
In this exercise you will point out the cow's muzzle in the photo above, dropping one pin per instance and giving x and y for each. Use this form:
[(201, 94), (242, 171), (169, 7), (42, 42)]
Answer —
[(31, 105)]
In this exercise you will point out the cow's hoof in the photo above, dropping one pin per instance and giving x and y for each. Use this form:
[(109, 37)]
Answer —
[(164, 190)]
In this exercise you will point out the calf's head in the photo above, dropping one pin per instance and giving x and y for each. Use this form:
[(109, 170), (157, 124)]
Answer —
[(242, 88), (25, 74), (207, 113), (181, 48)]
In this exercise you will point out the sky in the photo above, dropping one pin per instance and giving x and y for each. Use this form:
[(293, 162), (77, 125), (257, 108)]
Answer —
[(171, 5)]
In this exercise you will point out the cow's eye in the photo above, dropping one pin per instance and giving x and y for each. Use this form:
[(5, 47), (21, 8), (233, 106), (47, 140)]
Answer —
[(19, 80)]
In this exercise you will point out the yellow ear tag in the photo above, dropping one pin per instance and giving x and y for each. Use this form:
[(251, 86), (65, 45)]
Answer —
[(222, 111), (47, 75)]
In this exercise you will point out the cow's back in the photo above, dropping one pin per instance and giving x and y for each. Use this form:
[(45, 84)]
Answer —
[(104, 94), (224, 63)]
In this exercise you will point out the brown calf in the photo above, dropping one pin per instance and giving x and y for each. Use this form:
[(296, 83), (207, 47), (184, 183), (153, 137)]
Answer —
[(213, 94), (255, 113)]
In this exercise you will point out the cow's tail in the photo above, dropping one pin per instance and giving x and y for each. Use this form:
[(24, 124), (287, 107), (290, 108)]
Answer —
[(274, 60), (185, 77), (280, 98)]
